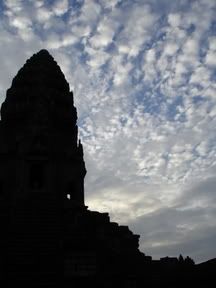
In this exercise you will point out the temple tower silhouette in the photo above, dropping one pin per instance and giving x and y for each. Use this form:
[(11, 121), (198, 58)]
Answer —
[(49, 237)]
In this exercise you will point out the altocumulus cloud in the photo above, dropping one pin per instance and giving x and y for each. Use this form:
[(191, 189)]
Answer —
[(143, 73)]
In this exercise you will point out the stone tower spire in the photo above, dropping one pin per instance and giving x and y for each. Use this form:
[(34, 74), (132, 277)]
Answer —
[(38, 125), (41, 172)]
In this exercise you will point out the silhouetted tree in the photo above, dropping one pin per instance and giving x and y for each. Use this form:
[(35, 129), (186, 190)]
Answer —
[(189, 261), (181, 259)]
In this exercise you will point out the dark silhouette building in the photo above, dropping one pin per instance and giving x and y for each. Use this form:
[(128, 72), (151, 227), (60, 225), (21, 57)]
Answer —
[(49, 238)]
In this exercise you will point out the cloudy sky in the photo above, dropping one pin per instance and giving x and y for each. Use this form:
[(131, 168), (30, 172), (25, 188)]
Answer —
[(143, 74)]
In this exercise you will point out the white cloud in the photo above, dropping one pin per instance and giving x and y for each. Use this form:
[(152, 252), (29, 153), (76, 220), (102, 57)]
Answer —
[(38, 3), (60, 7), (211, 59), (43, 14), (121, 74), (201, 75), (174, 19), (150, 56), (104, 35), (191, 47), (211, 53), (81, 30), (90, 12), (137, 29), (109, 4), (170, 49), (14, 5), (202, 148), (212, 43), (21, 22), (97, 58)]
